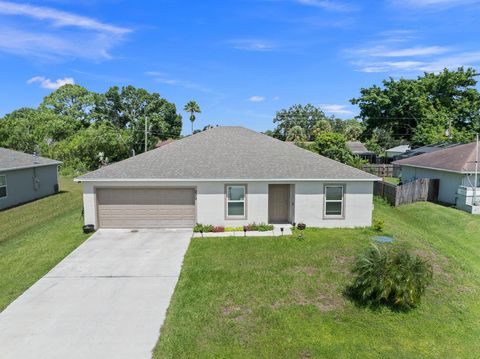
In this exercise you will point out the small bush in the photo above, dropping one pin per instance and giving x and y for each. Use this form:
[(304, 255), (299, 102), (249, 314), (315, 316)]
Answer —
[(378, 225), (203, 228), (390, 276), (263, 227), (218, 229)]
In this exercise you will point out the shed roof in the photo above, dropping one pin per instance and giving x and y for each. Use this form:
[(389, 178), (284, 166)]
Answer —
[(455, 159), (401, 148), (228, 153), (357, 147), (11, 160)]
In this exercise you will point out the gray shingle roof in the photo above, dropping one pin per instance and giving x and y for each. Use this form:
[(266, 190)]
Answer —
[(230, 153), (457, 159), (357, 147), (10, 160)]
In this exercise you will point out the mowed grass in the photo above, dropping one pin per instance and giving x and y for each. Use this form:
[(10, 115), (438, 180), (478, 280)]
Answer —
[(283, 297), (35, 236)]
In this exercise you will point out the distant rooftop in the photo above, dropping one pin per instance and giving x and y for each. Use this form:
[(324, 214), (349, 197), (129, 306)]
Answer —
[(357, 147), (459, 158), (10, 160)]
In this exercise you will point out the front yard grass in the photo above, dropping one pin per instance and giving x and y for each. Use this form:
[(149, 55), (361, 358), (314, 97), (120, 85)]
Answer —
[(283, 298), (35, 236)]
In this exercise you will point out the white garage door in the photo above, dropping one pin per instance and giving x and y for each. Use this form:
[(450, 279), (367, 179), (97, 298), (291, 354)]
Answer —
[(146, 207)]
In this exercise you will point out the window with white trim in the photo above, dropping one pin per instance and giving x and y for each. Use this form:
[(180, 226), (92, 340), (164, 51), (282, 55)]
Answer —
[(3, 186), (236, 201), (334, 195)]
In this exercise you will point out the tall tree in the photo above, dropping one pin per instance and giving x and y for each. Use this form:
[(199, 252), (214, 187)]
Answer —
[(29, 130), (130, 107), (297, 115), (73, 101), (193, 108), (420, 110)]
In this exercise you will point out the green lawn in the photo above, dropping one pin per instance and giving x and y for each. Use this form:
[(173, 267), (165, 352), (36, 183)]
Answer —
[(282, 298), (36, 236)]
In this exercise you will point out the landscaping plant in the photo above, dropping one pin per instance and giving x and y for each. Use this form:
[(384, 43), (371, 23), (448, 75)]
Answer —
[(391, 276), (378, 225)]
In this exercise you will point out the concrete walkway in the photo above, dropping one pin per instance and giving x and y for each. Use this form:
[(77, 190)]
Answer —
[(107, 299)]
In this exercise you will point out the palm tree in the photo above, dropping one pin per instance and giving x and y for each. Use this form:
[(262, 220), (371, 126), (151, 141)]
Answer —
[(193, 108), (296, 134)]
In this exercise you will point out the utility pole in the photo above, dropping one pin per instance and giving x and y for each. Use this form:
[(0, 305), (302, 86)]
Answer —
[(146, 133), (476, 176)]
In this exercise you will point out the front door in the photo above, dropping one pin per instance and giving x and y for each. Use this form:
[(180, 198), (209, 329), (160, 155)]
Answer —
[(278, 203)]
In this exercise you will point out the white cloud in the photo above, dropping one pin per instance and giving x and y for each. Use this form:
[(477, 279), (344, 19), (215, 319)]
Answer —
[(59, 18), (276, 98), (437, 4), (256, 99), (327, 5), (253, 45), (66, 35), (398, 52), (336, 109), (164, 78), (381, 51), (49, 84)]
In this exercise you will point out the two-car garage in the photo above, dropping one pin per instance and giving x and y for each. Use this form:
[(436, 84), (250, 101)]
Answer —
[(145, 207)]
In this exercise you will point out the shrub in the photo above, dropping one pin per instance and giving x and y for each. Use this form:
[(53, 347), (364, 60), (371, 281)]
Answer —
[(203, 228), (378, 225), (263, 227), (390, 276), (218, 229)]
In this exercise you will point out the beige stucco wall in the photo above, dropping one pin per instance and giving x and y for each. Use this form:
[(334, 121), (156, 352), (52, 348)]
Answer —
[(307, 200)]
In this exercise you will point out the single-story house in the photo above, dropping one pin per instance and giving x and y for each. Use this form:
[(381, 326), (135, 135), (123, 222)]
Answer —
[(25, 177), (427, 149), (359, 149), (453, 166), (396, 151), (227, 176)]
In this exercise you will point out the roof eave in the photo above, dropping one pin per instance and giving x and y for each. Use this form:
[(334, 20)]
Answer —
[(31, 166), (433, 168), (373, 179)]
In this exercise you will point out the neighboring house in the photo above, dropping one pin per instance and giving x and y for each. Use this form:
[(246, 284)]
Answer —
[(396, 151), (25, 177), (359, 149), (454, 167), (227, 176), (427, 149)]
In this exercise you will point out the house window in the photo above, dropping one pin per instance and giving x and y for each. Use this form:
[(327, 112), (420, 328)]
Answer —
[(334, 201), (236, 201), (3, 186)]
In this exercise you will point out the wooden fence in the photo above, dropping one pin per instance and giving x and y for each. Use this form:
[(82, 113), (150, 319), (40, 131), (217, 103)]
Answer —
[(383, 170), (423, 189)]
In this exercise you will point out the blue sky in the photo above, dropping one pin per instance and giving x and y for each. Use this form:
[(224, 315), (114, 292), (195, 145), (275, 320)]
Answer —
[(240, 60)]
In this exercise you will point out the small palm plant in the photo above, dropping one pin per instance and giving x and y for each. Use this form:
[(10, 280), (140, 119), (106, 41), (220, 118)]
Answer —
[(390, 276), (296, 134), (193, 108)]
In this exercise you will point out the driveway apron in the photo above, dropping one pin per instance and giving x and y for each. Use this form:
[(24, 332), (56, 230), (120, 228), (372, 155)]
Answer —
[(107, 299)]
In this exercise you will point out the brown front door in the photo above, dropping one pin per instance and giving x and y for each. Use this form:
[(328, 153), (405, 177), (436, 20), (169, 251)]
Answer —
[(278, 203)]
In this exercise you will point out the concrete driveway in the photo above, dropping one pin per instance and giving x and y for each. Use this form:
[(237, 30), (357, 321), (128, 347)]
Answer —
[(107, 299)]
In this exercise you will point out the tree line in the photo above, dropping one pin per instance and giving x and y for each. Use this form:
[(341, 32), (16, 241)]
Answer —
[(85, 129), (433, 108)]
